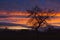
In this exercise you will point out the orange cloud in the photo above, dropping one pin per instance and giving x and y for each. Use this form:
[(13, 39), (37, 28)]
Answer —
[(15, 20)]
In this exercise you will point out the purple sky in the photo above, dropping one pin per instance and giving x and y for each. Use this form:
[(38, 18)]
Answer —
[(27, 4)]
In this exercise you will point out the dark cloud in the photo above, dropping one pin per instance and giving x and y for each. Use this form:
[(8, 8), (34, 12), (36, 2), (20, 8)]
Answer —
[(12, 24)]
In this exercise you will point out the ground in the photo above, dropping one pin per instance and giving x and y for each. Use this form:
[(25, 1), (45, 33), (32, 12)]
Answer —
[(27, 34)]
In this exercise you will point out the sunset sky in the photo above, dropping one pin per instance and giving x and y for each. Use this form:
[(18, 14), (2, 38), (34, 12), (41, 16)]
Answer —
[(14, 11)]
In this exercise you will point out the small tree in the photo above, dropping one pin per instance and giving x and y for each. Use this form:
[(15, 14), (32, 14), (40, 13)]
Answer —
[(38, 15)]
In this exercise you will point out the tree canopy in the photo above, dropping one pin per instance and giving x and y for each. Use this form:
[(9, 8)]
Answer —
[(40, 16)]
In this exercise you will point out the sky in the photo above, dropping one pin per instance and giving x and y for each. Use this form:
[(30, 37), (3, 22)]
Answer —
[(10, 18), (27, 4)]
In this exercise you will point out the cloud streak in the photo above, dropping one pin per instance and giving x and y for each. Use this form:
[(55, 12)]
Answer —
[(12, 24)]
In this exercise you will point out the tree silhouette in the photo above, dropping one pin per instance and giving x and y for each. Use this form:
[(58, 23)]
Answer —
[(38, 14)]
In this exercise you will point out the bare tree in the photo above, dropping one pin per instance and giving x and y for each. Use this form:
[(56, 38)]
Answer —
[(37, 14)]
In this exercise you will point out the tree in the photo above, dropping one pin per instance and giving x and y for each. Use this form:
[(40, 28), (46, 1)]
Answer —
[(38, 14)]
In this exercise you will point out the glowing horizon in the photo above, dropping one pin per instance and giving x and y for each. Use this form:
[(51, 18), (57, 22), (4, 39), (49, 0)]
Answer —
[(12, 18)]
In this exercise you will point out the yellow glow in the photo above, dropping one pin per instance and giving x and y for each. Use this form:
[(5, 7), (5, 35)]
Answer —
[(17, 27)]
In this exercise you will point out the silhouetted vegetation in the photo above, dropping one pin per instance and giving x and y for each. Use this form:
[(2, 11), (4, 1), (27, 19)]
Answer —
[(38, 14), (27, 34)]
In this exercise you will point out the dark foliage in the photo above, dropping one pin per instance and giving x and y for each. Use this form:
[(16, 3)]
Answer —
[(41, 19)]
